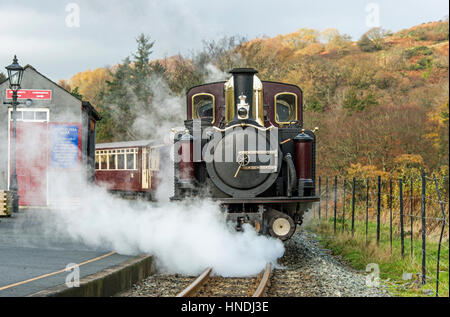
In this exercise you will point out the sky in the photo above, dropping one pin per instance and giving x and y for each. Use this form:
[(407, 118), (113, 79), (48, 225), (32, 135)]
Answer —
[(61, 38)]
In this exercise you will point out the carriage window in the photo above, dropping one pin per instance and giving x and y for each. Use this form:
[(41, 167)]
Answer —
[(112, 161), (130, 161), (285, 107), (121, 161), (203, 106), (103, 165), (97, 162)]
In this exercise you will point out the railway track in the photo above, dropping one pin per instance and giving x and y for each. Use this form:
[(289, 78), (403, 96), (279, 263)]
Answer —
[(206, 286)]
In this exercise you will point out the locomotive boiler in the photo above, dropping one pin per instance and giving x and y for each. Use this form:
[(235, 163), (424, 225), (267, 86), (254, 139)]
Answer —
[(244, 145)]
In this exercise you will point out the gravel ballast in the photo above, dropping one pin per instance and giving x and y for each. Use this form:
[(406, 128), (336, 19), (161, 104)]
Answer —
[(305, 270), (311, 271)]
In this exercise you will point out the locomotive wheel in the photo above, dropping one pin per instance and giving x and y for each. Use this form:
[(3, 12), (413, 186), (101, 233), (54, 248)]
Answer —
[(281, 227)]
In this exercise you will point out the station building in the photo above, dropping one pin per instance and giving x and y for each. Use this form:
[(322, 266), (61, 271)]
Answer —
[(55, 139)]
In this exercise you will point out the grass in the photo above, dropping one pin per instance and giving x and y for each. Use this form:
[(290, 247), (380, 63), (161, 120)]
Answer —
[(358, 254)]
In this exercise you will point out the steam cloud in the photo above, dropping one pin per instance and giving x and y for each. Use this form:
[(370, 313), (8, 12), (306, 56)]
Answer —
[(185, 237)]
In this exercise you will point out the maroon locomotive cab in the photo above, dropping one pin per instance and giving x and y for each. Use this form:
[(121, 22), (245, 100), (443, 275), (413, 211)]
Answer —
[(186, 161), (303, 147)]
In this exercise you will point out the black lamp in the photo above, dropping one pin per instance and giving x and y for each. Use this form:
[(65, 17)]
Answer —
[(15, 73)]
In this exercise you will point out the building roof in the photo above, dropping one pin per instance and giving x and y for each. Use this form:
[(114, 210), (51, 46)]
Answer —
[(84, 104), (114, 145), (91, 110)]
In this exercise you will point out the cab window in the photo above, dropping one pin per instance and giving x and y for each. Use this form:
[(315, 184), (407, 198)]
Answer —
[(203, 107), (285, 107)]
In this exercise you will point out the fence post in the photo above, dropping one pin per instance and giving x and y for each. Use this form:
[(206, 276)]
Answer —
[(390, 212), (320, 193), (412, 216), (335, 202), (378, 209), (402, 229), (423, 230), (367, 211), (326, 200), (343, 207), (442, 233), (353, 206)]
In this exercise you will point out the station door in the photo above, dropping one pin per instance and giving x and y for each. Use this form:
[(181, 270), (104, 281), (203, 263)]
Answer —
[(31, 155)]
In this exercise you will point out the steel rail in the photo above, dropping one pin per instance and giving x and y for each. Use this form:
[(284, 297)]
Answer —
[(264, 281), (194, 286)]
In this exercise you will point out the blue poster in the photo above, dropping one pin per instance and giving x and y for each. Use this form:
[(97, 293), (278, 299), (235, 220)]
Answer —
[(64, 146)]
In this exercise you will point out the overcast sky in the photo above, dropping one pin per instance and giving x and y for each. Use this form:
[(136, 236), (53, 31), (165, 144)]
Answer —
[(61, 38)]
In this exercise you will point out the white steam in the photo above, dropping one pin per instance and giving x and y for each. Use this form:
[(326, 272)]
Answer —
[(184, 237), (214, 74)]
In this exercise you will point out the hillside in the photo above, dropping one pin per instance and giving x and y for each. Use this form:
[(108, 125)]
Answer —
[(381, 102)]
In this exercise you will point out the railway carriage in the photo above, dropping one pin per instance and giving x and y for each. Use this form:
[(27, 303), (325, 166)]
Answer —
[(245, 146), (128, 168)]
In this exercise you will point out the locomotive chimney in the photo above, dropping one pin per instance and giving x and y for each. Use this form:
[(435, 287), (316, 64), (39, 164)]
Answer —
[(243, 95)]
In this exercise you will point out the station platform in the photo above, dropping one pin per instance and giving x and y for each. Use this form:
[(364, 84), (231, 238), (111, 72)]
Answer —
[(30, 261)]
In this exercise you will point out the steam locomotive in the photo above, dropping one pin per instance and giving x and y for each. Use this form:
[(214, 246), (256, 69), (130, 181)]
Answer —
[(244, 145)]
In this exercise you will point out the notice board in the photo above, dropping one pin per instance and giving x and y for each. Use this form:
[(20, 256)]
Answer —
[(65, 145)]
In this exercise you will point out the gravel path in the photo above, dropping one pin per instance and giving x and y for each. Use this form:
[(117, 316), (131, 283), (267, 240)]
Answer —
[(306, 270)]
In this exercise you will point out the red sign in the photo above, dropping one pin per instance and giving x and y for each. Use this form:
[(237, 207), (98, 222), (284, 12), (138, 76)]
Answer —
[(30, 94)]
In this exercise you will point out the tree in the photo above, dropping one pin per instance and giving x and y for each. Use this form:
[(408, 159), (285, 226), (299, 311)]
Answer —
[(128, 95), (437, 126), (328, 35), (64, 84), (91, 84), (142, 70), (2, 77), (373, 40), (359, 100), (365, 44), (115, 101), (76, 93)]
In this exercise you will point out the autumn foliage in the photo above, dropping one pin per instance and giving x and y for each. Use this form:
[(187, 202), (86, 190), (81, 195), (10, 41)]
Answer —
[(381, 102)]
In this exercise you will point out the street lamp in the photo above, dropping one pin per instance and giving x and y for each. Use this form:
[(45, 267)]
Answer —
[(15, 73)]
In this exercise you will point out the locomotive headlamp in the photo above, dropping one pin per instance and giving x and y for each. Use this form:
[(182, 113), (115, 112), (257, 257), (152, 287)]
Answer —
[(15, 73), (243, 107), (242, 112)]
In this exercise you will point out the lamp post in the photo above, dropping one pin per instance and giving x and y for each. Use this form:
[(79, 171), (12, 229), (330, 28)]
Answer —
[(15, 73)]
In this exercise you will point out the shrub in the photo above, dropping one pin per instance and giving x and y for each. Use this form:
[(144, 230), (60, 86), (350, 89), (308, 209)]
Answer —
[(366, 45), (353, 102), (418, 50), (423, 63)]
